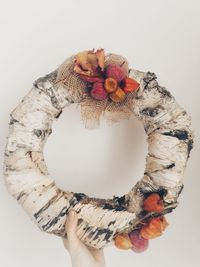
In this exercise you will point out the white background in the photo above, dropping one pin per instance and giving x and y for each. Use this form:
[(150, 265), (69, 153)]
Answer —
[(155, 35)]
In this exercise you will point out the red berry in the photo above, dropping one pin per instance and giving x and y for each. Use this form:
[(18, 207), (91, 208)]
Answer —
[(139, 244), (98, 92), (116, 72), (130, 85), (153, 203)]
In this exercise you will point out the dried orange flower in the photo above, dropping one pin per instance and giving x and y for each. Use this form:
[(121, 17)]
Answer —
[(154, 228), (110, 85), (100, 58), (88, 62), (130, 85), (118, 95), (123, 241)]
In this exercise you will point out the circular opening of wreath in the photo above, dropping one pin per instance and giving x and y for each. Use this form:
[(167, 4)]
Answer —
[(104, 87), (98, 161)]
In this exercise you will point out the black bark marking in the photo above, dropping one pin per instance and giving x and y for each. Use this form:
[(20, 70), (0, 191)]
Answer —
[(101, 231), (120, 200), (73, 201), (42, 133), (49, 131), (180, 190), (111, 222), (37, 132), (85, 229), (161, 191), (151, 82), (120, 208), (180, 134), (117, 206), (55, 219), (12, 121), (36, 215), (76, 198), (190, 146), (121, 203), (149, 76), (21, 195), (170, 166), (80, 220), (152, 112), (39, 84), (91, 234), (51, 77), (146, 128), (164, 92), (107, 206), (108, 235), (54, 100), (58, 115), (80, 196)]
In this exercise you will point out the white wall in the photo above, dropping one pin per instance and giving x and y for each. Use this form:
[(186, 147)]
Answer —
[(155, 35)]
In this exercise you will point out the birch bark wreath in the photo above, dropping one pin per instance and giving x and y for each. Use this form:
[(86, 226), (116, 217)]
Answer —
[(103, 85)]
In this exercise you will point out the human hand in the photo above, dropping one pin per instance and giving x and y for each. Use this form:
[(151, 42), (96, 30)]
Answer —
[(81, 255)]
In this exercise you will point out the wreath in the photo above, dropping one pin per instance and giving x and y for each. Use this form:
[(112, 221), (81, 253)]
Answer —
[(102, 85)]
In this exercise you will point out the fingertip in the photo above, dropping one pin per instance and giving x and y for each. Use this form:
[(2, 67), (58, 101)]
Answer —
[(72, 214), (71, 221)]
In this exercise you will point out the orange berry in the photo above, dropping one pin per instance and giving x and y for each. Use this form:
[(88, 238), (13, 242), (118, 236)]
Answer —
[(154, 228), (122, 241), (130, 85), (153, 203), (118, 95), (110, 85)]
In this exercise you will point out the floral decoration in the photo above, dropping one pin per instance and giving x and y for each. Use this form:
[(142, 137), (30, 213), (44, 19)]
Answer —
[(104, 82), (138, 239)]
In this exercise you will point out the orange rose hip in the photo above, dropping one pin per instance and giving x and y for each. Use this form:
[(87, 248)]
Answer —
[(154, 228), (153, 203), (130, 85), (122, 241), (110, 85), (118, 95)]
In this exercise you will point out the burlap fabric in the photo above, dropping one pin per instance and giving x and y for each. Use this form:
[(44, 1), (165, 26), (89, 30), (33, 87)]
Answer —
[(91, 109)]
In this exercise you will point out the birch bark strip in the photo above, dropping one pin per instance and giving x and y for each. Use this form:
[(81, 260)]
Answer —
[(170, 140)]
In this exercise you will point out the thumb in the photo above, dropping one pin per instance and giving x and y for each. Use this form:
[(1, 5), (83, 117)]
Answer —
[(71, 223), (71, 228)]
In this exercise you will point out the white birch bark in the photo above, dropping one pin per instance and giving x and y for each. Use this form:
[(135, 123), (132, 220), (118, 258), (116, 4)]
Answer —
[(170, 140)]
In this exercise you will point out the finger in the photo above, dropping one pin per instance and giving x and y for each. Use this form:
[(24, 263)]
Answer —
[(98, 255), (71, 223), (65, 243), (71, 228), (76, 248)]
